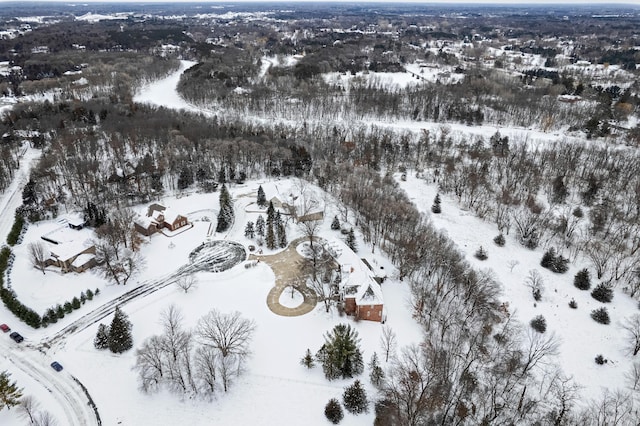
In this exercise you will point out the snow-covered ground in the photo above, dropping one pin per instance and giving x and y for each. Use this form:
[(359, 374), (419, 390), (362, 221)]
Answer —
[(276, 388), (582, 339), (279, 389)]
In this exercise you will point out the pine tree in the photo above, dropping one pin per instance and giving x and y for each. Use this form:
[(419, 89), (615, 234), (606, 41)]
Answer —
[(548, 258), (83, 297), (351, 241), (271, 237), (436, 207), (249, 231), (335, 225), (271, 213), (355, 399), (225, 215), (582, 280), (89, 294), (340, 355), (262, 199), (120, 339), (333, 411), (75, 303), (282, 236), (67, 308), (260, 226), (307, 360), (10, 394), (376, 374), (59, 311), (101, 341)]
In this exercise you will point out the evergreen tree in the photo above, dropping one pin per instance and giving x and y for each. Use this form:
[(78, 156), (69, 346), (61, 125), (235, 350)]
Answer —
[(68, 308), (282, 236), (271, 237), (582, 280), (10, 394), (83, 298), (75, 303), (89, 294), (307, 360), (333, 411), (249, 231), (51, 315), (260, 226), (335, 225), (262, 199), (548, 258), (355, 399), (101, 341), (351, 241), (436, 207), (340, 355), (560, 191), (225, 215), (59, 311), (120, 339), (376, 374)]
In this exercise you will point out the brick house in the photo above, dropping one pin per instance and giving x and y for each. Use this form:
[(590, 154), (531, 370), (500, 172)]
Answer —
[(360, 289), (158, 217)]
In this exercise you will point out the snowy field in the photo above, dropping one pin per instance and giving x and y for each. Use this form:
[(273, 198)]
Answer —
[(582, 339), (279, 389)]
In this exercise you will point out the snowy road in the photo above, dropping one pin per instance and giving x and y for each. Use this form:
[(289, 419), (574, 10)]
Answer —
[(60, 385)]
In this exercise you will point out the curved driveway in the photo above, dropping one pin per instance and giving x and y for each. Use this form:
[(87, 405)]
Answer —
[(286, 266)]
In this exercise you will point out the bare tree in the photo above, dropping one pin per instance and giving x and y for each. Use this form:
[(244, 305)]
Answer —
[(118, 266), (512, 264), (632, 327), (29, 408), (388, 342), (187, 282), (229, 333), (150, 363), (38, 253), (206, 367), (535, 283), (321, 268), (538, 348)]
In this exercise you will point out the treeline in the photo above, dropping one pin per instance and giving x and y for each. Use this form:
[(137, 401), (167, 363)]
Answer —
[(111, 153)]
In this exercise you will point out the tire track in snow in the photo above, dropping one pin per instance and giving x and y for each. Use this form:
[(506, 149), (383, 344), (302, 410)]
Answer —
[(77, 411)]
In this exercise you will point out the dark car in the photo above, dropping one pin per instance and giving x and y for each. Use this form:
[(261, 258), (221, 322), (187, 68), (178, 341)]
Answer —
[(56, 366), (4, 327), (17, 337)]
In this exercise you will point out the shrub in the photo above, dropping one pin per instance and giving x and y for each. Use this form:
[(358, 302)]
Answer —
[(548, 257), (481, 254), (602, 293), (554, 262), (577, 212), (333, 411), (600, 360), (335, 224), (499, 240), (601, 315), (355, 399), (16, 230), (582, 280), (539, 324), (573, 304), (560, 264)]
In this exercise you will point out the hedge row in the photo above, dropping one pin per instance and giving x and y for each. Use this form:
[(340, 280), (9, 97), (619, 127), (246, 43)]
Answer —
[(16, 230), (24, 313)]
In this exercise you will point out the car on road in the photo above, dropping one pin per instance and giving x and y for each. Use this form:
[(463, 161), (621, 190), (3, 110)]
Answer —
[(17, 337), (56, 366), (4, 327)]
